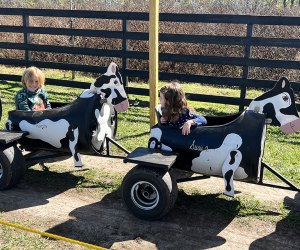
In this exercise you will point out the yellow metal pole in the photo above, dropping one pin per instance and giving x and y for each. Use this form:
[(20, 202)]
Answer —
[(153, 58)]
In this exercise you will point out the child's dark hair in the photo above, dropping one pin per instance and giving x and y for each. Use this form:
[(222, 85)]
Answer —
[(175, 101)]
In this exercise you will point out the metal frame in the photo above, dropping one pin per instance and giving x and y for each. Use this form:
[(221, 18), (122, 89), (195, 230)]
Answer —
[(32, 159), (290, 186), (110, 140)]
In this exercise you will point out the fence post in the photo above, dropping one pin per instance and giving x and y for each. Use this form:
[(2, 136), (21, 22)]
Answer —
[(72, 38), (153, 58), (243, 86), (27, 39), (124, 50)]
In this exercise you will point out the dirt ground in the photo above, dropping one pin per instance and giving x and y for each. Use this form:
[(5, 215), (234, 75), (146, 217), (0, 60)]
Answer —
[(105, 221)]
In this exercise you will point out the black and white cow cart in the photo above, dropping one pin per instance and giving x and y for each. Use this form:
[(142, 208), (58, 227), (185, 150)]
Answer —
[(85, 126), (231, 147)]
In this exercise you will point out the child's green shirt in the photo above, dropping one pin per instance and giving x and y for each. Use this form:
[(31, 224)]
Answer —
[(38, 100)]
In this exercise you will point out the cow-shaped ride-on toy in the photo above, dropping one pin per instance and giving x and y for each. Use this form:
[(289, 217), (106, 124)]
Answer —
[(231, 147), (82, 126)]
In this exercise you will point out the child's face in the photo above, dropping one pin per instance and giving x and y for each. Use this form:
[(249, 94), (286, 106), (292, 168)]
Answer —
[(32, 84), (162, 100)]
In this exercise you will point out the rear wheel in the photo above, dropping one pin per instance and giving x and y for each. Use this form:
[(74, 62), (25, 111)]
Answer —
[(12, 165), (149, 193)]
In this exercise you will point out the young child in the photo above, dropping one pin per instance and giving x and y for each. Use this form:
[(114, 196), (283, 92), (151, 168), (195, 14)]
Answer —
[(175, 111), (32, 96)]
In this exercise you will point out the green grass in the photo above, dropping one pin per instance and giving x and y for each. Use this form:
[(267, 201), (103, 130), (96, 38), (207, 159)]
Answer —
[(245, 209), (15, 239), (80, 179), (12, 238)]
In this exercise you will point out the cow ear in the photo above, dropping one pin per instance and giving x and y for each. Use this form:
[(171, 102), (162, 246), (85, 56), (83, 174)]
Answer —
[(112, 68), (283, 82)]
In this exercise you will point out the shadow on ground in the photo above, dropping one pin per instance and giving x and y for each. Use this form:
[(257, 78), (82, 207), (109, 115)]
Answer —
[(285, 230), (194, 223), (36, 188)]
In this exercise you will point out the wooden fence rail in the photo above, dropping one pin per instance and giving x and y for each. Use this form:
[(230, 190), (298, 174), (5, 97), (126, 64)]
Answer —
[(248, 41)]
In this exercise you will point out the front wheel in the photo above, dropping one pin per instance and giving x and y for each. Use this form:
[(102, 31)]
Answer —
[(12, 165), (149, 193)]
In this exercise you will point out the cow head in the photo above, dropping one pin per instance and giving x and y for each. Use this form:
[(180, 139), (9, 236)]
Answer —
[(110, 85), (279, 105)]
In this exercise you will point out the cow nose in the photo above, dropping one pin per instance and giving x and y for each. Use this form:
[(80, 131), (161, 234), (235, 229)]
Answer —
[(122, 106), (291, 127)]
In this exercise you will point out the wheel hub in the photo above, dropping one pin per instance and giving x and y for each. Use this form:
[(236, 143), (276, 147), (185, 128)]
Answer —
[(144, 195)]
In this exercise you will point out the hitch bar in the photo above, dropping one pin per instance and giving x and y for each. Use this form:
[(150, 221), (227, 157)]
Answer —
[(291, 186)]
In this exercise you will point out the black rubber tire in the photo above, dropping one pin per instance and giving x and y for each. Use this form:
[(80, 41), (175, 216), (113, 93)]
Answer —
[(148, 192), (12, 165)]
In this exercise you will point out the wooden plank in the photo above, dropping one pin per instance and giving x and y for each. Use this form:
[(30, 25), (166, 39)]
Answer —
[(62, 31), (224, 81), (169, 17), (234, 19), (77, 13), (151, 157), (230, 40), (54, 65), (63, 49)]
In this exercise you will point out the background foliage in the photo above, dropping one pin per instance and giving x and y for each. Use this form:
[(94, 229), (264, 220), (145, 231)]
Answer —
[(241, 7)]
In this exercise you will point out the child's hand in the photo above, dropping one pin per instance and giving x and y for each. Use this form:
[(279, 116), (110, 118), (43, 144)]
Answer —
[(186, 128)]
